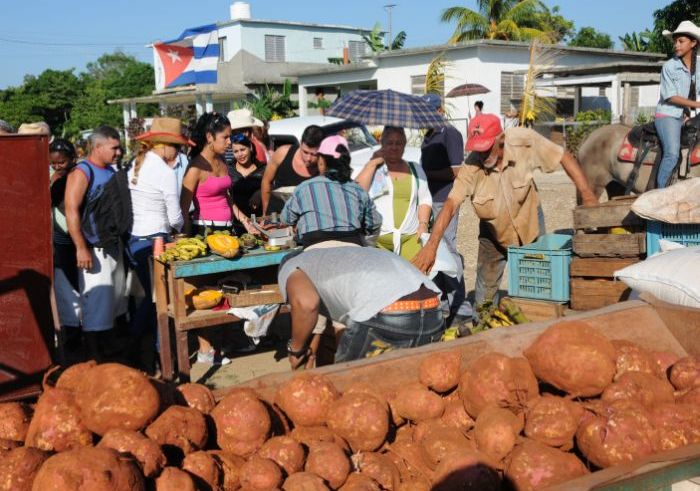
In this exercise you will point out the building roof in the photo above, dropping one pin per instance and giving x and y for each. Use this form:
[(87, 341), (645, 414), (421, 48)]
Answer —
[(604, 68), (293, 24), (330, 68)]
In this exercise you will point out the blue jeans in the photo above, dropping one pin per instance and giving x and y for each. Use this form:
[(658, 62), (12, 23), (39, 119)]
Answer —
[(669, 131), (385, 332)]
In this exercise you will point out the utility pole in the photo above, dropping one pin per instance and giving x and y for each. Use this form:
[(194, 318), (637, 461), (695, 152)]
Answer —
[(389, 7)]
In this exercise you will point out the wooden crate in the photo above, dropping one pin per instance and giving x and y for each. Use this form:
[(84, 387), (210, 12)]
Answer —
[(598, 267), (590, 294), (614, 213), (609, 245), (540, 310)]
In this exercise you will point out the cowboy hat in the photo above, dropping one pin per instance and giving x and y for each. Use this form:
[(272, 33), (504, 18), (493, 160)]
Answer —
[(40, 128), (687, 28), (165, 130), (243, 118)]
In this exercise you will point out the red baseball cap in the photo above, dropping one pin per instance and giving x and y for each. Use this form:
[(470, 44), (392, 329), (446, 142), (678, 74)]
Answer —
[(483, 131)]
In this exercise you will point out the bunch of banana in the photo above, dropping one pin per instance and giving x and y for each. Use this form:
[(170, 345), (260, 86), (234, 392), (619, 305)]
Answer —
[(492, 316), (184, 250)]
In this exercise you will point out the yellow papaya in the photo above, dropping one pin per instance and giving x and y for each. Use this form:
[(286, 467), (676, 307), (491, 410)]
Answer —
[(203, 299), (223, 245)]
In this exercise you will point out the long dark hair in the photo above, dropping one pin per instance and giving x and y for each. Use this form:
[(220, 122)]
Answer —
[(338, 169), (693, 62), (208, 123), (242, 139)]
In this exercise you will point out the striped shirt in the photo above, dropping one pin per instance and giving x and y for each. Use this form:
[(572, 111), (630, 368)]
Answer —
[(320, 204)]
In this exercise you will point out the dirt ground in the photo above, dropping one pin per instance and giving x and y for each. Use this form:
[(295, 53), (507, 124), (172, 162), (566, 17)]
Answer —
[(558, 198)]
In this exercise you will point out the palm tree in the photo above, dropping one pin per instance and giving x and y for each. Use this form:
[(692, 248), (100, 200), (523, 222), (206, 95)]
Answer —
[(510, 20), (375, 40)]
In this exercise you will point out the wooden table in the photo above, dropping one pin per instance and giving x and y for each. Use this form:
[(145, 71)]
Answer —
[(170, 283)]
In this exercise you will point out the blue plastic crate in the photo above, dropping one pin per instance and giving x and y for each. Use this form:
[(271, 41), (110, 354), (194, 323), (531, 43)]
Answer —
[(541, 270), (687, 234)]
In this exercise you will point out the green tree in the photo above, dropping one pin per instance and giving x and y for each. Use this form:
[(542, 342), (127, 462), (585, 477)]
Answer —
[(554, 24), (588, 37), (636, 42), (510, 20), (375, 40), (668, 18)]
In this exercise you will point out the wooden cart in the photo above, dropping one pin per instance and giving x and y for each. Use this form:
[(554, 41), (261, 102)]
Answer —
[(171, 281)]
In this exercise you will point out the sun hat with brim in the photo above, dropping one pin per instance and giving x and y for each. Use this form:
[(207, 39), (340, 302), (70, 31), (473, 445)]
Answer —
[(243, 118), (40, 128), (165, 130), (482, 132), (687, 28), (329, 146)]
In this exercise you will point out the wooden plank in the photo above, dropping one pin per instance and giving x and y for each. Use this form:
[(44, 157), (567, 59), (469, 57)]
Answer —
[(614, 213), (216, 264), (598, 267), (160, 289), (609, 245), (197, 319), (592, 294), (683, 322), (540, 310)]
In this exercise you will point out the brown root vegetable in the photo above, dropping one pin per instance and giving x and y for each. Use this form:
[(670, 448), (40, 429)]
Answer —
[(440, 445), (440, 371), (56, 425), (677, 424), (573, 357), (619, 433), (409, 458), (14, 421), (390, 396), (205, 469), (260, 473), (685, 373), (71, 376), (640, 386), (426, 427), (466, 471), (19, 466), (691, 396), (496, 432), (495, 379), (415, 484), (147, 452), (116, 396), (181, 427), (404, 432), (173, 478), (7, 445), (284, 451), (197, 396), (305, 399), (553, 421), (304, 481), (308, 435), (379, 467), (416, 403), (360, 419), (455, 416), (630, 357), (364, 388), (533, 465), (242, 422), (89, 468), (230, 469), (360, 482), (330, 462), (663, 360)]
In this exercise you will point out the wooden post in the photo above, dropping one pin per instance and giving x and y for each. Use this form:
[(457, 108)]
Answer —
[(160, 288)]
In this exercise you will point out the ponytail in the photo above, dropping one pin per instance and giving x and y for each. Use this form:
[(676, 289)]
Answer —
[(693, 76), (138, 160)]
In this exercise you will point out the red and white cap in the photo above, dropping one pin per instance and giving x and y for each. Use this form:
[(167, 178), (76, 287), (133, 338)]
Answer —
[(483, 131)]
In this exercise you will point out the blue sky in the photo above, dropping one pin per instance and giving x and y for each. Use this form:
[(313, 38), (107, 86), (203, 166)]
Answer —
[(40, 34)]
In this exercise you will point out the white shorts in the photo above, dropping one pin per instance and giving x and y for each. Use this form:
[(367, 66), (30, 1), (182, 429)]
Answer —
[(102, 289), (67, 299)]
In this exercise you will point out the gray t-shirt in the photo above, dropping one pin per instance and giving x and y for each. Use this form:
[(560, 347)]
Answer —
[(356, 282)]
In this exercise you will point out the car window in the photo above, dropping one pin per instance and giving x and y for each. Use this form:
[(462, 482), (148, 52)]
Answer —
[(357, 135)]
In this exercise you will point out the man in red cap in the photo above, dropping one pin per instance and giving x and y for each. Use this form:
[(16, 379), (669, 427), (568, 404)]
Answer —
[(498, 177)]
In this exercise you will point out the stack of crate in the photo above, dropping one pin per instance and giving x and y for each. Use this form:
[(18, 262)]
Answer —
[(599, 252)]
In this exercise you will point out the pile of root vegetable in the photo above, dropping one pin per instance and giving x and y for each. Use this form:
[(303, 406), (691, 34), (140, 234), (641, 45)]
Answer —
[(575, 402)]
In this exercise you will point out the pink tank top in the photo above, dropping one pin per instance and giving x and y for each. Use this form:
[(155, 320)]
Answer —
[(210, 199)]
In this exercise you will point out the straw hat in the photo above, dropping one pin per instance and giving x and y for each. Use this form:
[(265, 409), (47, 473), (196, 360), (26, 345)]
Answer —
[(243, 118), (165, 130), (40, 128), (687, 28)]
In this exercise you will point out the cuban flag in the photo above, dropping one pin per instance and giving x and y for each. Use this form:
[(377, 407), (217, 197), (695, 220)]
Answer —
[(191, 58)]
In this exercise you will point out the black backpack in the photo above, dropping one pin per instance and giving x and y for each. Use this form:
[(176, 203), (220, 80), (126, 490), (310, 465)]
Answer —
[(111, 211)]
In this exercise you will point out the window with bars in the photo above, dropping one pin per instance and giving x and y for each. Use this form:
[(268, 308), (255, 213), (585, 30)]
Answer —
[(356, 50), (274, 48), (318, 43), (512, 86), (222, 49)]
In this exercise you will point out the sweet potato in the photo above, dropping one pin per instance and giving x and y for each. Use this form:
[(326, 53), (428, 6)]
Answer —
[(71, 376), (308, 435), (379, 467), (204, 468), (442, 444), (630, 357), (7, 445), (89, 468), (360, 419), (496, 432), (404, 432), (173, 478), (466, 471), (663, 360), (181, 427), (390, 396), (14, 421), (415, 484), (360, 482), (573, 357), (677, 424), (242, 422), (533, 465), (260, 473), (426, 427), (455, 416), (230, 469), (440, 371), (495, 379), (305, 399), (690, 396), (685, 373), (146, 451), (553, 421), (19, 466), (116, 396), (330, 462), (304, 481), (409, 458), (284, 451), (641, 386), (56, 425), (416, 403), (197, 396)]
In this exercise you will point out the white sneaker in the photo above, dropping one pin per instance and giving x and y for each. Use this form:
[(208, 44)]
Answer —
[(212, 357)]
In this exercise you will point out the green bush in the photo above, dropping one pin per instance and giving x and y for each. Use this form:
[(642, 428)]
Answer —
[(590, 121)]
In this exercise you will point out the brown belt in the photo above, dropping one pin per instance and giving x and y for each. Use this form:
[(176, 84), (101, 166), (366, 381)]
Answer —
[(413, 305)]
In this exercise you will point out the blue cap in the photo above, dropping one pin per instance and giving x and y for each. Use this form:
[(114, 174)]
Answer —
[(433, 100)]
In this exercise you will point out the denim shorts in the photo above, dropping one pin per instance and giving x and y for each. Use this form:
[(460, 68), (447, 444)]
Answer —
[(388, 331)]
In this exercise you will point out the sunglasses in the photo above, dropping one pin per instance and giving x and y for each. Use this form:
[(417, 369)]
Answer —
[(239, 138)]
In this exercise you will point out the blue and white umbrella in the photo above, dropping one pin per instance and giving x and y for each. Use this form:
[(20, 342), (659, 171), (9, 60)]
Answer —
[(387, 108)]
